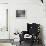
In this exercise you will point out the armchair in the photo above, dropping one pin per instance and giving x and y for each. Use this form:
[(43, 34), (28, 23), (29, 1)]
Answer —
[(33, 30)]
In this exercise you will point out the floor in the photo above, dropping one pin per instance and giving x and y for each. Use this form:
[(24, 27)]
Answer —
[(26, 44), (5, 44), (23, 44)]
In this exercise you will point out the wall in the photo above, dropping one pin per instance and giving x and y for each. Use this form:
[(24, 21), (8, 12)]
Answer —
[(3, 21), (3, 1), (4, 34), (35, 12)]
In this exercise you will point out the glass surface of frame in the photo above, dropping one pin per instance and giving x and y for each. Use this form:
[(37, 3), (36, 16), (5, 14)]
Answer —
[(20, 13)]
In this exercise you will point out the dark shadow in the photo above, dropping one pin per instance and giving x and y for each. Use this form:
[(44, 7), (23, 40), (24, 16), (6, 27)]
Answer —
[(41, 35)]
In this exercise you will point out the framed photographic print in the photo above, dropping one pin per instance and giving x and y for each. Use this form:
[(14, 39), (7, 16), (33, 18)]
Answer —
[(20, 13)]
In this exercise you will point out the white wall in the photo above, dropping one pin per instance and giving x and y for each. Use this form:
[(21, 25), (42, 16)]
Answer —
[(3, 1), (35, 12), (3, 34), (3, 21)]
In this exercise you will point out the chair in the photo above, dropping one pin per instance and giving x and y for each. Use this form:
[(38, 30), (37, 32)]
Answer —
[(33, 30)]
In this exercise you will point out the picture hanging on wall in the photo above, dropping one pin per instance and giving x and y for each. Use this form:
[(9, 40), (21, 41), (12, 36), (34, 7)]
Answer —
[(20, 13)]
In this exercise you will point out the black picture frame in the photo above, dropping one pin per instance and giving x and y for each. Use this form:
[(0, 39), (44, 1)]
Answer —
[(20, 13)]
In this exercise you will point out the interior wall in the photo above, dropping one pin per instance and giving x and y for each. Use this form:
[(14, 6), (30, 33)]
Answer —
[(35, 13), (3, 21), (3, 1), (44, 32)]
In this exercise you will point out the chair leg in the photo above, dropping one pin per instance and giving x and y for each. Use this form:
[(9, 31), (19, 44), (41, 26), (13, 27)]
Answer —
[(32, 42), (20, 42)]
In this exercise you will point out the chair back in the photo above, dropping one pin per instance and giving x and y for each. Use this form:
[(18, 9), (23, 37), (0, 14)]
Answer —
[(33, 28)]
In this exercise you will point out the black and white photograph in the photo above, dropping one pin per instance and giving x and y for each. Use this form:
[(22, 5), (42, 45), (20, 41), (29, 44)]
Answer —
[(20, 13), (22, 22)]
